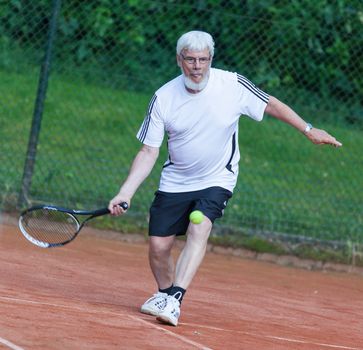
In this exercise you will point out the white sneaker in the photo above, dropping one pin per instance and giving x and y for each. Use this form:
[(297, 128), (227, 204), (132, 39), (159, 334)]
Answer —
[(171, 312), (154, 305)]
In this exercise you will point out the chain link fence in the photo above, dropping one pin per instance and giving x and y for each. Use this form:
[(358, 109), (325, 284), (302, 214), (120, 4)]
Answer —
[(106, 59)]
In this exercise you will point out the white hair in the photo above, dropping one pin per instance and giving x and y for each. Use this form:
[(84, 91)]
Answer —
[(195, 41)]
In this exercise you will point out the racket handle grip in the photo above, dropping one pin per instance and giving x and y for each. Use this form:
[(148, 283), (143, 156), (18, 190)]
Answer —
[(104, 211), (124, 205)]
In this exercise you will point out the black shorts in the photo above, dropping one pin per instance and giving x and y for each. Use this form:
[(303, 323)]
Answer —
[(169, 212)]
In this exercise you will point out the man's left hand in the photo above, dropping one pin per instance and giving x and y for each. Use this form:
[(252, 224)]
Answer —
[(321, 137)]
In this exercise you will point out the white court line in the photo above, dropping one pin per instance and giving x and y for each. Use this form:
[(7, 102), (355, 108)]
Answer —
[(180, 337), (10, 344), (319, 344), (199, 346), (290, 340)]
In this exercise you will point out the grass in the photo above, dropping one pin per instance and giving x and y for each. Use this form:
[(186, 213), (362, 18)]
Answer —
[(87, 141)]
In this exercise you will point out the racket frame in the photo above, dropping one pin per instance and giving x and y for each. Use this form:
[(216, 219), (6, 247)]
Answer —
[(71, 212)]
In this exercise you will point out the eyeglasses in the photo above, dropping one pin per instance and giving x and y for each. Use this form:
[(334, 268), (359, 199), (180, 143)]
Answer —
[(193, 60)]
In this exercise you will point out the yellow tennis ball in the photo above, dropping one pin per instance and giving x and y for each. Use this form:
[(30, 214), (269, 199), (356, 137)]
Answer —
[(196, 217)]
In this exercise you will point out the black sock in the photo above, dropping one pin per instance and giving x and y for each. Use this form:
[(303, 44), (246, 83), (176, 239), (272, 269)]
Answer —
[(166, 290), (177, 293)]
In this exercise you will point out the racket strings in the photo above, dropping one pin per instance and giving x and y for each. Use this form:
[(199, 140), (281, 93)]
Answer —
[(50, 226)]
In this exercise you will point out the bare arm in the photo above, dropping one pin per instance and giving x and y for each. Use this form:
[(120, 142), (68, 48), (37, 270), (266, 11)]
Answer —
[(139, 171), (284, 113)]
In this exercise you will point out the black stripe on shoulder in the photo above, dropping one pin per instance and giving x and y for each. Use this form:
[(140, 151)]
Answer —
[(146, 122), (253, 88)]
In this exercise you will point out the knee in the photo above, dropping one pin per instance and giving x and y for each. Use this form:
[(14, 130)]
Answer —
[(200, 232), (197, 240), (160, 246)]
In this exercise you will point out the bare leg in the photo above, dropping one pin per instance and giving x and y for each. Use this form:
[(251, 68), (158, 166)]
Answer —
[(193, 252), (161, 260)]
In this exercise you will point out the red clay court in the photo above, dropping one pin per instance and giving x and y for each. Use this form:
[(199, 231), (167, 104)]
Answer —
[(87, 296)]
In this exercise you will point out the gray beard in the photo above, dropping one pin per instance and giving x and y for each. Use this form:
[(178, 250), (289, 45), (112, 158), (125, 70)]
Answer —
[(189, 84)]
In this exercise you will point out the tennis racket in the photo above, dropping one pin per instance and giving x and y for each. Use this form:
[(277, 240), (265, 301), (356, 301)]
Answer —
[(50, 226)]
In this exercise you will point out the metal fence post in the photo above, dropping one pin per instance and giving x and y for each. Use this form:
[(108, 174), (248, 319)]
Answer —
[(39, 106)]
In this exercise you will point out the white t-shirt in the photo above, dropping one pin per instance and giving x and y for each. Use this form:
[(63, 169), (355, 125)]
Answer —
[(202, 129)]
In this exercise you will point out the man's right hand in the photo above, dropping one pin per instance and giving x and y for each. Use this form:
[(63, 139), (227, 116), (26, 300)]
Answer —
[(114, 206)]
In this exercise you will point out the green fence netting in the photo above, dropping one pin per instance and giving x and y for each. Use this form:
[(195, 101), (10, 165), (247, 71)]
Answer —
[(109, 56)]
